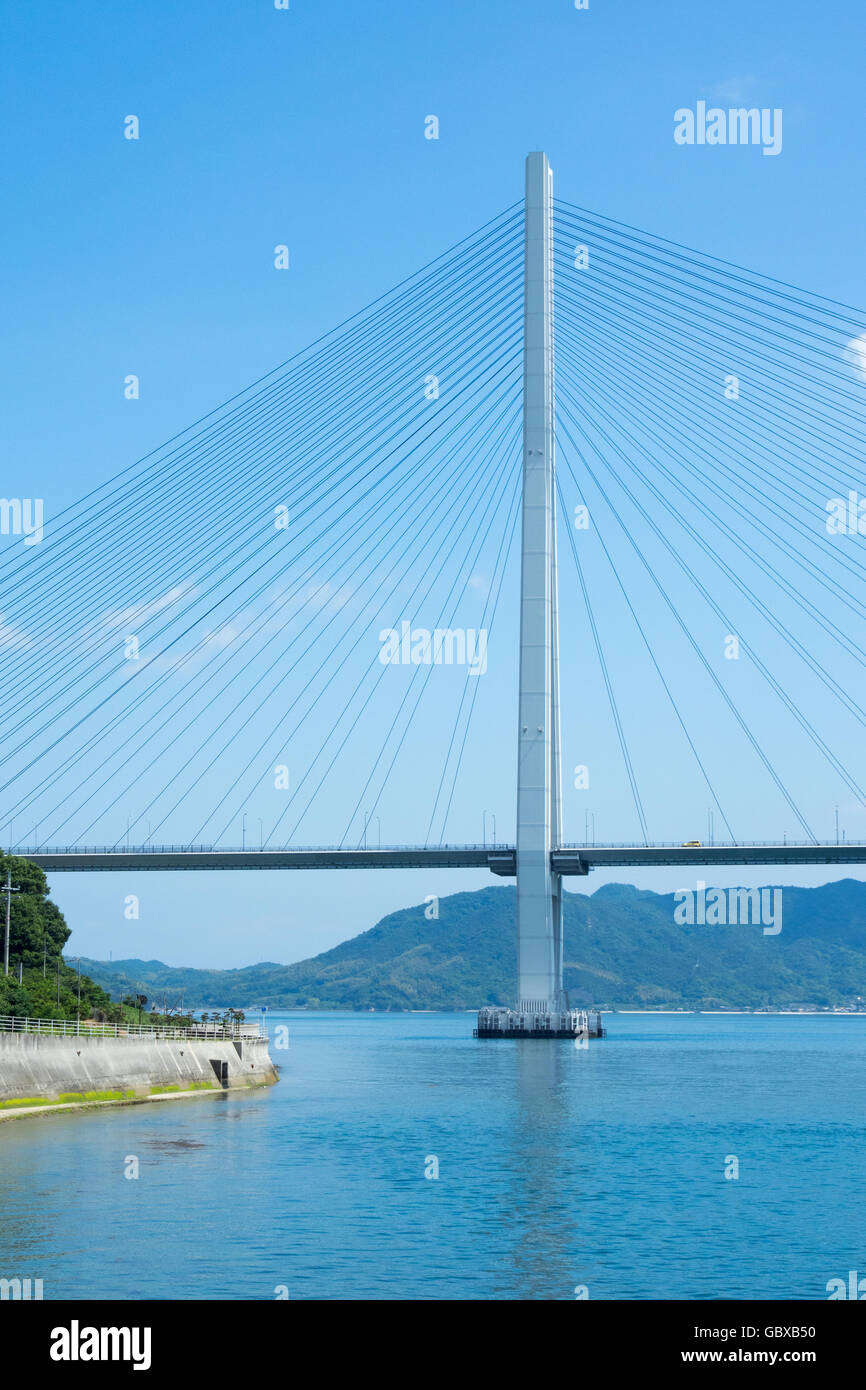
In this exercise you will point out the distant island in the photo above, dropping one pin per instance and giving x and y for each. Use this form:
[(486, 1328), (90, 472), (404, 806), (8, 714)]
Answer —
[(623, 949)]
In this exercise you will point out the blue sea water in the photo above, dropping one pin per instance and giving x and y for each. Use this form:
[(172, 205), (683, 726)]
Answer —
[(558, 1167)]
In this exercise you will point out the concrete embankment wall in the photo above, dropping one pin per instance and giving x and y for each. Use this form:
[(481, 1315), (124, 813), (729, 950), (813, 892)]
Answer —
[(45, 1068)]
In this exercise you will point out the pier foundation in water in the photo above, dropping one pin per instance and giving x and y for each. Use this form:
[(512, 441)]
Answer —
[(576, 1024)]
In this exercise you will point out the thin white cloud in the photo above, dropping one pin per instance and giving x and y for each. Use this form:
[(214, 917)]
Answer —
[(316, 597), (733, 89), (12, 638), (182, 663), (480, 583), (855, 351), (142, 613)]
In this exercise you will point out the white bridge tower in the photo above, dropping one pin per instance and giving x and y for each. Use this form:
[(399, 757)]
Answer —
[(541, 1003)]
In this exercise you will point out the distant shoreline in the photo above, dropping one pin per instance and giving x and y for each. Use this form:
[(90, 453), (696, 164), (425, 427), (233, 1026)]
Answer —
[(665, 1013), (755, 1013)]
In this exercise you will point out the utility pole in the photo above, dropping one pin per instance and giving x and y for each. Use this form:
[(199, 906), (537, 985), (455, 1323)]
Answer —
[(9, 891), (79, 988), (8, 915)]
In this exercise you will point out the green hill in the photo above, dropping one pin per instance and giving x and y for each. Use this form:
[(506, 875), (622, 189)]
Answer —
[(623, 949)]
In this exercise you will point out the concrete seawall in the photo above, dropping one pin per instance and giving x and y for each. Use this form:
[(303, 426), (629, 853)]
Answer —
[(33, 1066)]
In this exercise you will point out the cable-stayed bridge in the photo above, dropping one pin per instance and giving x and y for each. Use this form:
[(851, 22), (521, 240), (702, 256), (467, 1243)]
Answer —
[(567, 860), (298, 610)]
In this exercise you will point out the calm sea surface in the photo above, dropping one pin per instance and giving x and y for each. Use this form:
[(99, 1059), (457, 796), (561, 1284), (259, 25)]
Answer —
[(558, 1167)]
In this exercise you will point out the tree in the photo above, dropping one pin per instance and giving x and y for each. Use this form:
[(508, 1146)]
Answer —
[(37, 936), (37, 924)]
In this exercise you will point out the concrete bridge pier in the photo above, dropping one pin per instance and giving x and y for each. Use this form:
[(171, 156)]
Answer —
[(541, 1009)]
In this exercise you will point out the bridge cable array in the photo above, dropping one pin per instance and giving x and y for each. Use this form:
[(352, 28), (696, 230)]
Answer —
[(206, 628), (709, 387), (369, 436)]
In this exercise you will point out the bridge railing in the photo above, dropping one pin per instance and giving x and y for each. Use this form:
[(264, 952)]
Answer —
[(783, 843), (25, 850), (75, 851), (86, 1028)]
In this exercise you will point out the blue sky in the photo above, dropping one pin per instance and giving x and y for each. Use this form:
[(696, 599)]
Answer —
[(306, 127)]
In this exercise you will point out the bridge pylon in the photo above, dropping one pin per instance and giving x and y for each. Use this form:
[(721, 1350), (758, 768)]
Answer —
[(541, 1003)]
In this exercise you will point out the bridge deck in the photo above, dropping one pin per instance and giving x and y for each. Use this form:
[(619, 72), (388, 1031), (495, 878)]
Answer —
[(569, 860)]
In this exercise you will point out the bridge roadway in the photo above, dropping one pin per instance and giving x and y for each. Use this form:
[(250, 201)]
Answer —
[(568, 860)]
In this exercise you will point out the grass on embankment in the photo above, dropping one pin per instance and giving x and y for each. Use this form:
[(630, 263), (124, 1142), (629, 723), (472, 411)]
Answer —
[(67, 1098), (82, 1099), (179, 1090)]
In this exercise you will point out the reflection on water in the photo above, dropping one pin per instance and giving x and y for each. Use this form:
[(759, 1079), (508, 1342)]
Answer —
[(543, 1141)]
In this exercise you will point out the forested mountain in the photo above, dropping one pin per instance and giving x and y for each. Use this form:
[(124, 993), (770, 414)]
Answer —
[(623, 949)]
